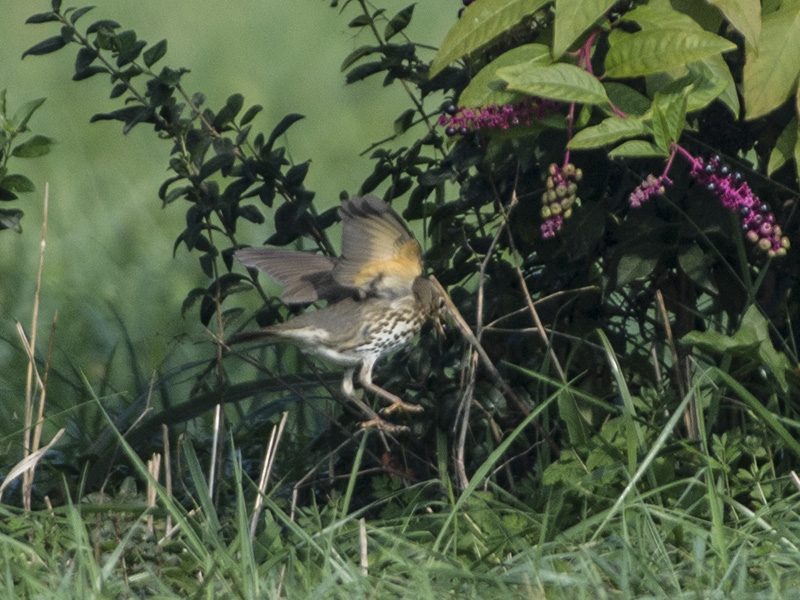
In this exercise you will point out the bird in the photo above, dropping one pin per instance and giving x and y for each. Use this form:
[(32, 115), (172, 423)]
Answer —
[(378, 298)]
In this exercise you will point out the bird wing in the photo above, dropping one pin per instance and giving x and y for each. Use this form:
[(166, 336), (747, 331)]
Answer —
[(305, 277), (379, 253)]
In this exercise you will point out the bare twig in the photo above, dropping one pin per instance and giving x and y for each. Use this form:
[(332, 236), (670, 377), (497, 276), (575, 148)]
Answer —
[(153, 468), (527, 294), (463, 327), (464, 410), (362, 539), (27, 464), (167, 469), (27, 478), (269, 460), (795, 480), (690, 418)]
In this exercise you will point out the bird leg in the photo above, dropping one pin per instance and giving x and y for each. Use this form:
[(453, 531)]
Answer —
[(365, 377), (373, 420)]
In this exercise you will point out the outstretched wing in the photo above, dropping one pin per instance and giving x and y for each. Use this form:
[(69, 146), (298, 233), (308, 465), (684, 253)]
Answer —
[(305, 277), (379, 253)]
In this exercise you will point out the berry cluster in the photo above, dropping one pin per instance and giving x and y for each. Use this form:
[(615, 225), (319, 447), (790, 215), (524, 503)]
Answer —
[(758, 222), (462, 120), (558, 198), (652, 186)]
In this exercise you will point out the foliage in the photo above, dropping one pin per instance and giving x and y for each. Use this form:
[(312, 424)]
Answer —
[(12, 184), (608, 192)]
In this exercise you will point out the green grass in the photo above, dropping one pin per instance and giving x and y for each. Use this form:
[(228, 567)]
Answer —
[(634, 509), (689, 538)]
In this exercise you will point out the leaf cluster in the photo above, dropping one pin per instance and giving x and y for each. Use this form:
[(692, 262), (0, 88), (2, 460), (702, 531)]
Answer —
[(12, 184), (602, 332)]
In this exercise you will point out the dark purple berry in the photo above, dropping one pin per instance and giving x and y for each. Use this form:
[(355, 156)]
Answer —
[(450, 131), (724, 170), (708, 168), (463, 130), (711, 187), (738, 177), (451, 109), (745, 211), (716, 159), (763, 208)]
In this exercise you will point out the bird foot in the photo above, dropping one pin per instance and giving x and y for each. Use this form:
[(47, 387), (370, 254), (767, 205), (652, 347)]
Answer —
[(400, 406), (381, 425)]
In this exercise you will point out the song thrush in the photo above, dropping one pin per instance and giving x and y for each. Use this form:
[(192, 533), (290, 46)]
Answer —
[(378, 299)]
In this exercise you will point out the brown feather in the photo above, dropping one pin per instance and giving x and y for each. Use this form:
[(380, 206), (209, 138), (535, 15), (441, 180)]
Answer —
[(305, 277)]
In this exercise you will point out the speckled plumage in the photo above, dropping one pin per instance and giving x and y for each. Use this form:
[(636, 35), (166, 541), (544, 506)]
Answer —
[(386, 300)]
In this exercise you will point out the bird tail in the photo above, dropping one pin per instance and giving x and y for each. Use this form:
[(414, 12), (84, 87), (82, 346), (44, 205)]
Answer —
[(250, 336)]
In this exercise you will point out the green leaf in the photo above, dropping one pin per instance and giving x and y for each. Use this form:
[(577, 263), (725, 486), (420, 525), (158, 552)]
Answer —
[(637, 263), (770, 73), (624, 97), (227, 113), (85, 58), (797, 140), (46, 46), (360, 21), (357, 55), (281, 128), (637, 149), (130, 115), (611, 130), (784, 147), (250, 114), (573, 17), (653, 51), (24, 113), (79, 13), (220, 162), (155, 53), (46, 17), (10, 218), (701, 85), (17, 183), (560, 81), (669, 113), (38, 145), (757, 406), (661, 16), (398, 22), (404, 121), (716, 68), (480, 92), (744, 15), (103, 24), (751, 341), (480, 23), (363, 71)]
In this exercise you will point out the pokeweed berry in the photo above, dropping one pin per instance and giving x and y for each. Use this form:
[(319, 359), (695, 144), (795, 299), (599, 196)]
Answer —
[(561, 188)]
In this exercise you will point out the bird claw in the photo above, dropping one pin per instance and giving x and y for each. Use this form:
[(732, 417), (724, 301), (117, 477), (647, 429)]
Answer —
[(400, 406), (381, 425)]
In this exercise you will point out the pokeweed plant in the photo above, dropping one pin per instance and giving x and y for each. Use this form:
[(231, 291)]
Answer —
[(611, 153), (529, 151)]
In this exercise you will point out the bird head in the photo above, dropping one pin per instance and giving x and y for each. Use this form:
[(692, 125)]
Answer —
[(431, 301)]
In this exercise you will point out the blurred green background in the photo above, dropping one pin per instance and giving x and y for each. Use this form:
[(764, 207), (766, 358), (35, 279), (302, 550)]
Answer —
[(109, 266)]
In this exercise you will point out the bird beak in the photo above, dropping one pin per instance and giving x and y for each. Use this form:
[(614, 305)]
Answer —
[(439, 325)]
